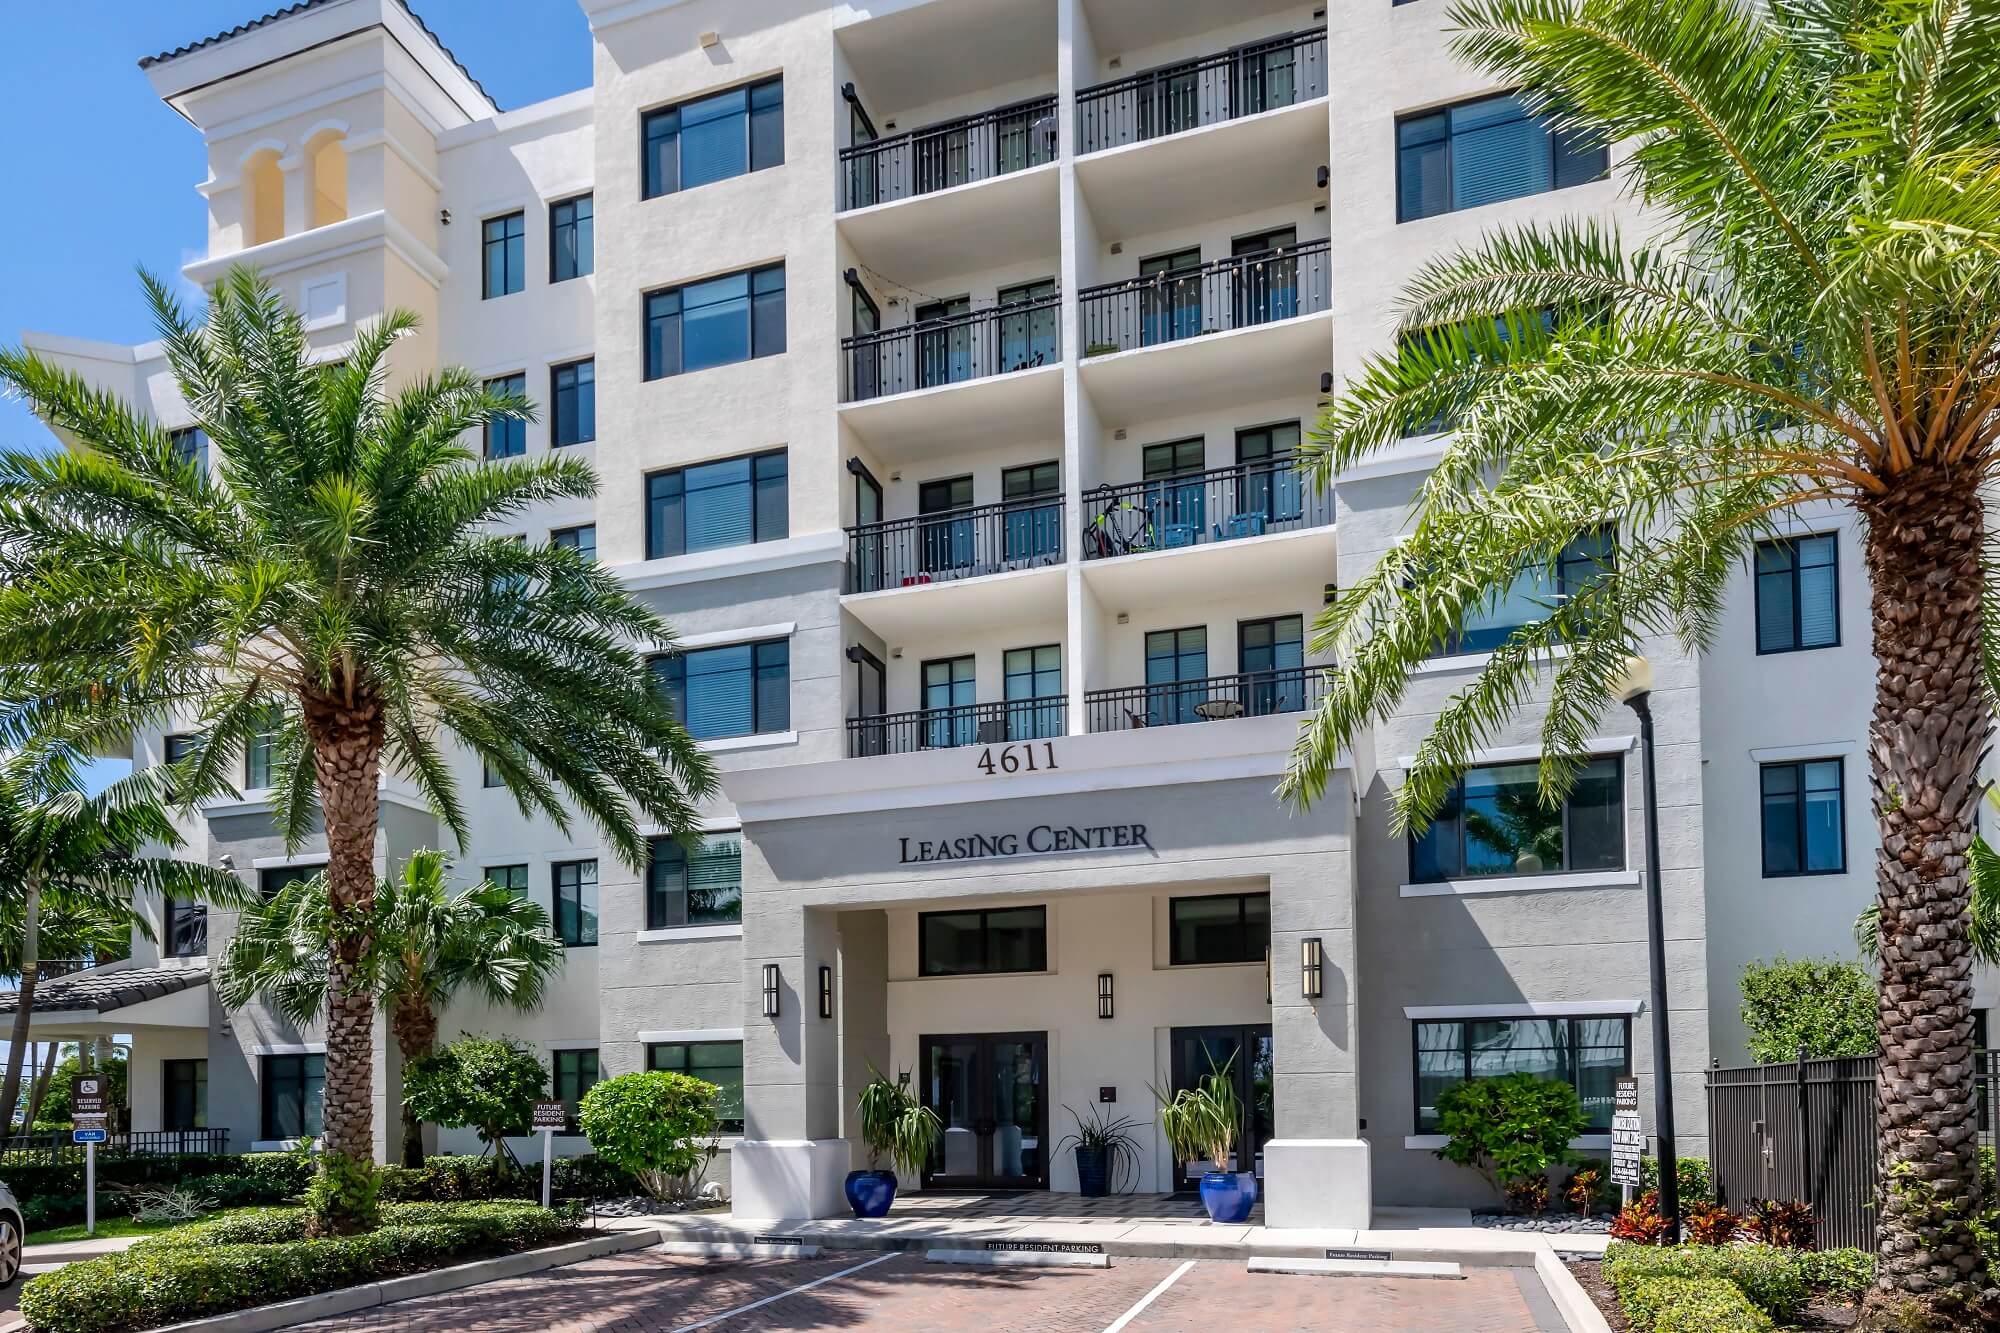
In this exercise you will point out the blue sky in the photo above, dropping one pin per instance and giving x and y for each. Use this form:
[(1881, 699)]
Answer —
[(104, 172)]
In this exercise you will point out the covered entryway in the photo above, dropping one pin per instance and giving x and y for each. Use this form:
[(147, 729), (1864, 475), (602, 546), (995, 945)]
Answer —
[(991, 1092), (1245, 1053)]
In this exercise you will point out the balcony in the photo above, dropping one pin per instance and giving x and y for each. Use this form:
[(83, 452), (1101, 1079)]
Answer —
[(1266, 75), (956, 544), (933, 353), (952, 153), (1240, 292), (1216, 699), (1202, 508), (965, 724)]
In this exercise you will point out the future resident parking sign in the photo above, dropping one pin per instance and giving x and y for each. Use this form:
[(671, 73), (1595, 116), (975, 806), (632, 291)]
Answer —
[(1628, 1140)]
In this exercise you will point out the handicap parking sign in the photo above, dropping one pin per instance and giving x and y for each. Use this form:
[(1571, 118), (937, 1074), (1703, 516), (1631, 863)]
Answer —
[(89, 1136)]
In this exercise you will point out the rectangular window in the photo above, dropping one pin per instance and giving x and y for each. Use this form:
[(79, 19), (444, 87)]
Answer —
[(950, 694), (1219, 928), (712, 138), (258, 755), (573, 391), (174, 749), (572, 245), (704, 888), (1589, 1054), (1484, 151), (1534, 593), (582, 539), (514, 879), (505, 256), (1798, 594), (184, 1094), (273, 880), (489, 776), (1270, 653), (736, 317), (1000, 939), (1033, 520), (1804, 816), (717, 1062), (1176, 675), (575, 1073), (575, 897), (742, 689), (190, 445), (507, 438), (1031, 683), (293, 1088), (187, 929), (1494, 823), (730, 502)]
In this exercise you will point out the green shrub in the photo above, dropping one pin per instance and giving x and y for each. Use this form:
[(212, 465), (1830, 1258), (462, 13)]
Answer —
[(341, 1198), (261, 1256), (659, 1126), (1688, 1305), (1826, 1005), (1509, 1127), (490, 1084), (1696, 1180), (591, 1176), (51, 1194), (1844, 1272), (1771, 1278), (446, 1178)]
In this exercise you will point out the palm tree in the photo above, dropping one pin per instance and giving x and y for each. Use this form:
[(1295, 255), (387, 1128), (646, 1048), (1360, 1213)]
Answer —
[(1816, 317), (1982, 909), (338, 591), (69, 866), (428, 945)]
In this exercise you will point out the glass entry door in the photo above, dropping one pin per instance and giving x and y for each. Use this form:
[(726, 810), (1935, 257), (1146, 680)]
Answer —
[(988, 1089), (1246, 1052)]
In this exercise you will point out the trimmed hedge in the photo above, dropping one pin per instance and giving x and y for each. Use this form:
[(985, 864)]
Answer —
[(1772, 1279), (1843, 1272), (1688, 1305), (51, 1195), (259, 1256), (449, 1178)]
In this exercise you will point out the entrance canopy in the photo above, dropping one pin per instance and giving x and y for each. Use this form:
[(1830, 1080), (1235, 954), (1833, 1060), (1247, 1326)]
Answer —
[(98, 1001)]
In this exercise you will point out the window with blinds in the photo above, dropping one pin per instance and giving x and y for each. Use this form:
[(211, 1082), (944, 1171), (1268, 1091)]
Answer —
[(713, 138), (716, 1062), (1483, 152), (742, 689), (736, 317), (730, 502), (703, 888), (574, 893), (1798, 594)]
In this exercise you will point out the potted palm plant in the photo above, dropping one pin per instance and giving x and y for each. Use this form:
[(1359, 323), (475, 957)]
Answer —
[(1201, 1125), (1106, 1152), (894, 1125)]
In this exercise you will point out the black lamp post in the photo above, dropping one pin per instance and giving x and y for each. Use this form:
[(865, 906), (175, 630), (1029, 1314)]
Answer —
[(1634, 689)]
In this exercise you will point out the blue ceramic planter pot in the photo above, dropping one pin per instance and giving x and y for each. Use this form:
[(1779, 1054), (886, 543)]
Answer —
[(869, 1193), (1228, 1196)]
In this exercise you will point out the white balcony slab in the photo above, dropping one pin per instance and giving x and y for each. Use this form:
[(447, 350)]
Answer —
[(1018, 407), (1248, 365), (1002, 222), (1231, 168)]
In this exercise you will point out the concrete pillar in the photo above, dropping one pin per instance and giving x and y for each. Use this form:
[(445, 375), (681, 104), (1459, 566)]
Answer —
[(863, 1008), (792, 1160), (298, 208)]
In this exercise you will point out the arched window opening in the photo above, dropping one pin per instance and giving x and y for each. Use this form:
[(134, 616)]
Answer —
[(326, 177), (263, 198)]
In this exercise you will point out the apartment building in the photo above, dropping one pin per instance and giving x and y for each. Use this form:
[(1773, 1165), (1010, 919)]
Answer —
[(943, 363)]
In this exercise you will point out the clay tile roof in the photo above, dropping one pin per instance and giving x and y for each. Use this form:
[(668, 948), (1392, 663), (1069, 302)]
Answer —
[(106, 988)]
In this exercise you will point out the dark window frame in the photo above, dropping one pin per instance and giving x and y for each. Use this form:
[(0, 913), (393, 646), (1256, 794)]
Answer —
[(186, 933), (1174, 958), (726, 1123), (1572, 574), (676, 680), (486, 874), (924, 968), (1451, 205), (571, 537), (584, 254), (273, 880), (575, 1074), (1798, 619), (773, 342), (513, 252), (651, 188), (576, 389), (564, 930), (1464, 1024), (269, 1079), (1624, 833), (190, 1075), (510, 429), (761, 474), (659, 897), (1798, 767)]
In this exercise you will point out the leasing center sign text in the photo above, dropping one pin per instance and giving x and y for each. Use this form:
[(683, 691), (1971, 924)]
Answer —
[(1041, 840)]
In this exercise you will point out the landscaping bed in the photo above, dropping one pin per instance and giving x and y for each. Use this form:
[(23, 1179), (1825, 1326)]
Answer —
[(261, 1256), (1724, 1288)]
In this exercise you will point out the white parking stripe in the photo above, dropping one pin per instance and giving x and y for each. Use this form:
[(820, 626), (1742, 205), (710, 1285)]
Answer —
[(792, 1291), (1149, 1297)]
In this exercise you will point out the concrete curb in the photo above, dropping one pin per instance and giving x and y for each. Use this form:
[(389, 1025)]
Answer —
[(1017, 1259), (1262, 1263), (346, 1300), (722, 1249), (1572, 1302)]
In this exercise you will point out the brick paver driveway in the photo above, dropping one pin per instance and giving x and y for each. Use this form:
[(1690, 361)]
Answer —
[(860, 1290)]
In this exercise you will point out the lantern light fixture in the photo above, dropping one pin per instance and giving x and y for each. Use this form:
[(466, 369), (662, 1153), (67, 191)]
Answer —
[(1104, 995), (1312, 968), (770, 990)]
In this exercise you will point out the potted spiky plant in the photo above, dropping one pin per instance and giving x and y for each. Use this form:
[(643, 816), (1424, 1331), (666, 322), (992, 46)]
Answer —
[(894, 1125), (1105, 1151), (1201, 1124)]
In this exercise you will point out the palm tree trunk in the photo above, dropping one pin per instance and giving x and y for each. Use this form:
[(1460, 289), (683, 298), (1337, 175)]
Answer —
[(347, 761), (416, 1035), (1930, 725), (42, 1081), (24, 1000)]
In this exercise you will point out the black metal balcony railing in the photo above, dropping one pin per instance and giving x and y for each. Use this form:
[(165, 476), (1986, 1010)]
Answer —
[(1218, 698), (955, 544), (1223, 294), (1016, 336), (1201, 508), (964, 724), (954, 152), (1260, 76)]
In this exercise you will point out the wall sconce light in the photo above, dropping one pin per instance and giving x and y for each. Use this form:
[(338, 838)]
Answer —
[(1104, 995), (1326, 381), (825, 991), (1267, 974), (770, 990), (1312, 962), (444, 217), (1323, 177)]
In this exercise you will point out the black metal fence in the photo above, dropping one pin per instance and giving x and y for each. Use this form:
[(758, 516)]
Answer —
[(55, 1146), (1201, 508), (953, 152), (955, 544), (1034, 719), (1234, 293), (1169, 703), (1260, 76), (1017, 335)]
